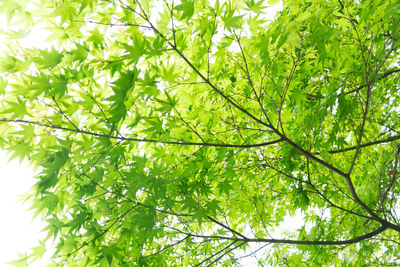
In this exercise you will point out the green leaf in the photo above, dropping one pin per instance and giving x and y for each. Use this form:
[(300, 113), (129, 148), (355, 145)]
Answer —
[(7, 63), (16, 109), (48, 59), (256, 7), (21, 150), (81, 53), (38, 251), (200, 215), (59, 85), (231, 21), (187, 8), (136, 50), (22, 261), (3, 84)]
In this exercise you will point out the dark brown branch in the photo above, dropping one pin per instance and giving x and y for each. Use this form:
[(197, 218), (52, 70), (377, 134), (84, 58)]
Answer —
[(115, 24), (380, 78), (296, 242), (328, 200), (310, 155), (103, 232), (377, 142), (165, 248), (215, 254), (227, 228), (62, 113), (247, 73), (225, 253), (395, 174), (341, 4), (369, 83), (183, 143)]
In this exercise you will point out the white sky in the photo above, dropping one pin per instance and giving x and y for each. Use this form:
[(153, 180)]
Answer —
[(17, 230)]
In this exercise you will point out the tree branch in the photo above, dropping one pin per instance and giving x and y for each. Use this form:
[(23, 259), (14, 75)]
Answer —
[(296, 242), (380, 78), (377, 142), (120, 138)]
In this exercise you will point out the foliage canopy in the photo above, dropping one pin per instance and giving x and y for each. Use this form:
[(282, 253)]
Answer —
[(177, 133)]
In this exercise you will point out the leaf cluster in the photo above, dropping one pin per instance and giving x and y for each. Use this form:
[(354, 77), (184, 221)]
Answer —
[(172, 133)]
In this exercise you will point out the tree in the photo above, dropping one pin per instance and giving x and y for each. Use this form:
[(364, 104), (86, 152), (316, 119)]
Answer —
[(177, 133)]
